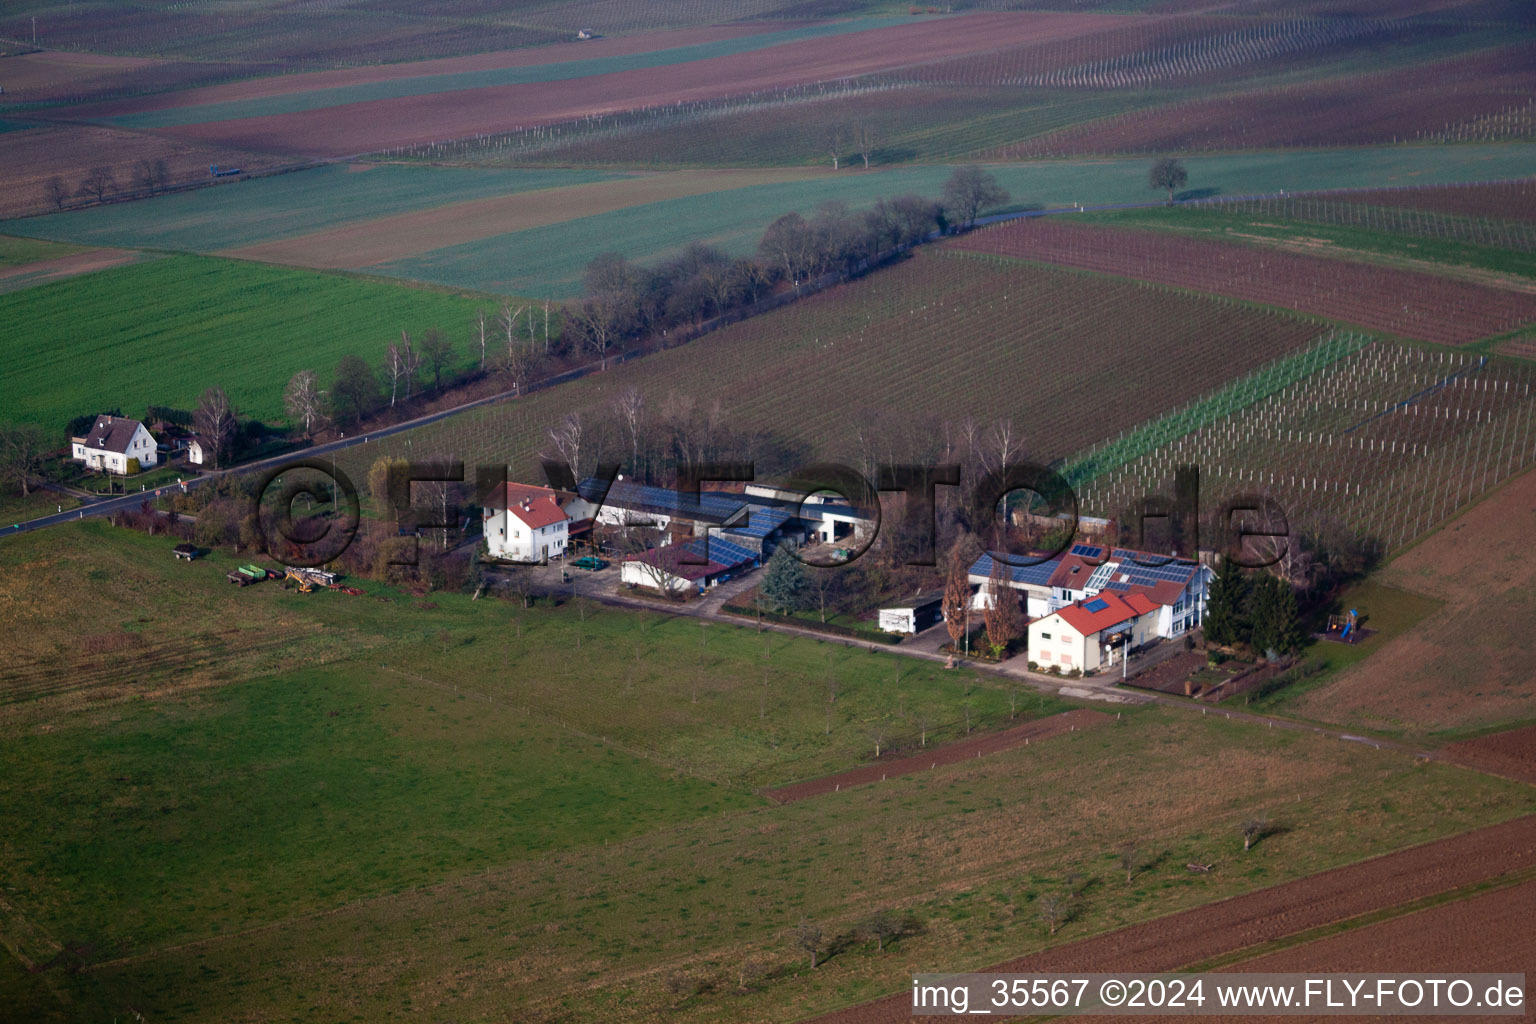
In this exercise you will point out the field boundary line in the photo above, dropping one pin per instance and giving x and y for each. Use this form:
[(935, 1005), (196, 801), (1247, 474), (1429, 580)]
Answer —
[(1509, 880)]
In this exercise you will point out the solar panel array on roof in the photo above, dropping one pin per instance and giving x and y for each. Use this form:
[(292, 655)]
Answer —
[(625, 492), (1098, 604), (1087, 550), (722, 551), (1036, 575), (761, 522)]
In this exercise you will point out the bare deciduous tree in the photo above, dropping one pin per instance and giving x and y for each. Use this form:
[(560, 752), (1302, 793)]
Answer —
[(970, 190), (865, 134), (304, 400), (1130, 860), (22, 447), (97, 182), (57, 192), (1054, 910), (836, 138), (1168, 174), (150, 175), (480, 334), (882, 926), (565, 438), (808, 939), (215, 421), (437, 350)]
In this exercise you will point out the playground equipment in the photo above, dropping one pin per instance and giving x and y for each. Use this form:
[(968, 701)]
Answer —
[(1346, 626)]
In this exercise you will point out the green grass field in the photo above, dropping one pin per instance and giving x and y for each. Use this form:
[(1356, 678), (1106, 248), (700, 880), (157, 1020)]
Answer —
[(212, 852), (18, 252), (549, 260), (165, 330), (1418, 240), (242, 213)]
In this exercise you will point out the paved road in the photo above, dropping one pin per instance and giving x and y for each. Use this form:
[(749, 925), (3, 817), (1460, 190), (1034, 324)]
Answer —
[(107, 506)]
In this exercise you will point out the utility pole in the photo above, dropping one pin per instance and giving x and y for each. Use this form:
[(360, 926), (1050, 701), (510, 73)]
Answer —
[(34, 30)]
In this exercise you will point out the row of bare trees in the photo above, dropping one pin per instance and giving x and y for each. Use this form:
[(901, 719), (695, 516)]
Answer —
[(624, 300), (148, 176)]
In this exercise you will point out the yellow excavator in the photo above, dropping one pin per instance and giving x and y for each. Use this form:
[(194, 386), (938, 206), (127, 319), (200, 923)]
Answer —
[(301, 577)]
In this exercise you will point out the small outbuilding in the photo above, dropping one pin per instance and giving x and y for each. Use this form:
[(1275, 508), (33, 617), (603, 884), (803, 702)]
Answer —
[(915, 615)]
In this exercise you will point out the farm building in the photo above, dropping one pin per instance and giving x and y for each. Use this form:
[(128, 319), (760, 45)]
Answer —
[(758, 520), (1086, 634), (1178, 588), (913, 615), (111, 442), (630, 504), (526, 524), (678, 568)]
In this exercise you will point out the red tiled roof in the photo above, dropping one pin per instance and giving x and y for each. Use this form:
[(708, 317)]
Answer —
[(1114, 611), (666, 559), (534, 506)]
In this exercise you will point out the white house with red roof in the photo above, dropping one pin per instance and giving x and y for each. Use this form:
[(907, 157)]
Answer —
[(111, 442), (1086, 635), (526, 524)]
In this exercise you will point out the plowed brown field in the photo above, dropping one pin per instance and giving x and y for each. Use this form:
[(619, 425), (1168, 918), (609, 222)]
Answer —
[(1489, 932), (950, 753), (68, 151), (1468, 665), (413, 120), (1402, 302), (1511, 753), (1193, 936)]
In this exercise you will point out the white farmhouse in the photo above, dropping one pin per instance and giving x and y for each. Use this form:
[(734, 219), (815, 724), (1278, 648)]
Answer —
[(526, 524), (111, 442), (1086, 635)]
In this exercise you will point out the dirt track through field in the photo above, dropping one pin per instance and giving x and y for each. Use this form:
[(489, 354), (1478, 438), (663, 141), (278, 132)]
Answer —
[(28, 274), (950, 753), (357, 245), (1193, 936), (373, 125)]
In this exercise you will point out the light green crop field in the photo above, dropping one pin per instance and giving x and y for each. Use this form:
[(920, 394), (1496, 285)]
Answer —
[(549, 260), (163, 331), (241, 213), (1342, 228), (18, 252)]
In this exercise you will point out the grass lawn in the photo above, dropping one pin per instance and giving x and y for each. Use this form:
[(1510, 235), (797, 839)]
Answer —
[(174, 327), (551, 808), (18, 252), (14, 508), (1325, 239), (255, 210), (1386, 612)]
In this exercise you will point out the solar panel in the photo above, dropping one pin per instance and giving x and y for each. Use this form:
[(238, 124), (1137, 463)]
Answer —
[(1098, 604), (1087, 550), (1038, 574), (721, 550)]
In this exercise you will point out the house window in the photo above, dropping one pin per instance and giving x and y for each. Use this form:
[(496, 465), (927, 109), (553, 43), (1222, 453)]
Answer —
[(1045, 636), (1066, 659)]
